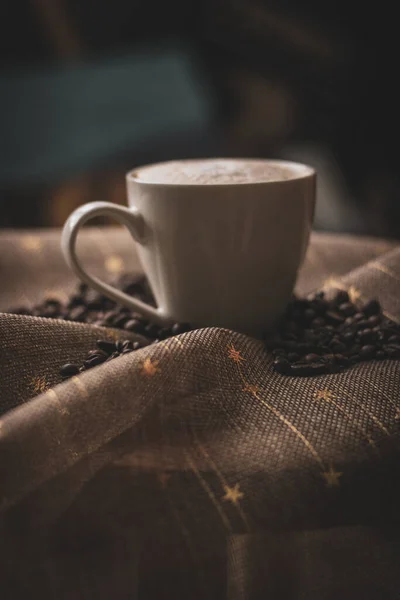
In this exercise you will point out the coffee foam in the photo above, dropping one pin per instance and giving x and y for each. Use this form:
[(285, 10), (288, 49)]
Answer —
[(218, 172)]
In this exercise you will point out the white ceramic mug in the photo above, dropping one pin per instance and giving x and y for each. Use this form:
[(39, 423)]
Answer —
[(219, 253)]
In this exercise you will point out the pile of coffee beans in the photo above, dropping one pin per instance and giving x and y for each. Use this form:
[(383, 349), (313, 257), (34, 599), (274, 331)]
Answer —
[(320, 335), (104, 352), (88, 306), (317, 335)]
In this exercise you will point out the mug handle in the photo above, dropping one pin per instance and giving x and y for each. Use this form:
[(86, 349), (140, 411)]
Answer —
[(134, 221)]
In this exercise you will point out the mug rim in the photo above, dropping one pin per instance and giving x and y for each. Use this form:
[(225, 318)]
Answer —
[(303, 171)]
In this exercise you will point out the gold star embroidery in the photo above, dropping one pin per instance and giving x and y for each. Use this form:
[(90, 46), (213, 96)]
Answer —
[(163, 478), (326, 395), (252, 389), (114, 264), (235, 354), (39, 385), (332, 477), (150, 368), (233, 494), (31, 243)]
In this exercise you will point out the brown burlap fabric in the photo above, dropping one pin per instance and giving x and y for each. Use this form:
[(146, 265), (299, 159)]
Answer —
[(189, 469)]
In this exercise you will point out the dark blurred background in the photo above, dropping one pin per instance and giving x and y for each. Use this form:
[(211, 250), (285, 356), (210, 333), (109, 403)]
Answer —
[(90, 89)]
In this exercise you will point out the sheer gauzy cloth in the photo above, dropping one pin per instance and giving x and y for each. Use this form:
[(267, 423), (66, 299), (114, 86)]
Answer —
[(189, 469)]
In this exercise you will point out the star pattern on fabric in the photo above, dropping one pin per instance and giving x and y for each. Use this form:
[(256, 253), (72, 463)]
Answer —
[(252, 389), (150, 367), (325, 395), (235, 355), (332, 477), (32, 243), (114, 264), (233, 494), (39, 385)]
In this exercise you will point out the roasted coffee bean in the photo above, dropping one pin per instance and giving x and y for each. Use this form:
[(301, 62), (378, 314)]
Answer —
[(278, 351), (95, 360), (347, 309), (318, 305), (341, 360), (69, 369), (374, 321), (367, 352), (310, 358), (394, 339), (366, 336), (100, 323), (338, 347), (371, 308), (282, 366), (318, 322), (358, 317), (347, 337), (106, 346), (309, 314), (134, 325), (120, 321), (151, 330), (362, 325), (75, 300), (164, 333), (334, 317), (342, 297), (392, 350), (97, 352), (380, 355), (110, 316)]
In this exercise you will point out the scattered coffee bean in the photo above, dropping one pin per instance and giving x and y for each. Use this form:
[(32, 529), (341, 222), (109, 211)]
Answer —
[(371, 308), (367, 352), (134, 325), (374, 321), (310, 358), (348, 309), (334, 317), (392, 350), (281, 365), (366, 336), (107, 347), (342, 297), (68, 370), (95, 360)]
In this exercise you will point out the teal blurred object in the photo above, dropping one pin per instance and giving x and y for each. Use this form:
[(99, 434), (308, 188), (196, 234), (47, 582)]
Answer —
[(59, 122)]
